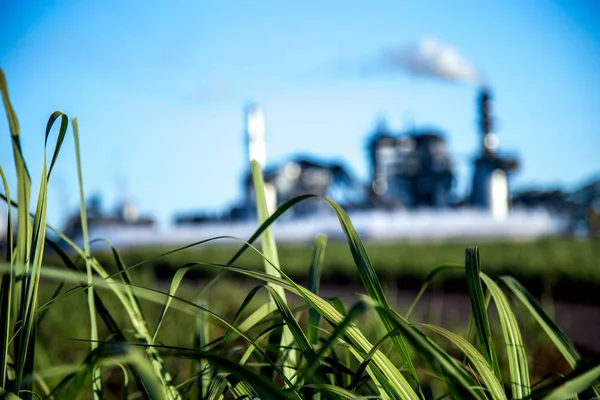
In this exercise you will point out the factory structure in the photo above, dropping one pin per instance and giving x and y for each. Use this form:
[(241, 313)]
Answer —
[(409, 194), (409, 171)]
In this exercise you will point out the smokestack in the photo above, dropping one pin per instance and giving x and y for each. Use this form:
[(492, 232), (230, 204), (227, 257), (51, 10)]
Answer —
[(486, 122), (255, 134)]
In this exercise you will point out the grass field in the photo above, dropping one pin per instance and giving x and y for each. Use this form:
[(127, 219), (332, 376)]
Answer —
[(570, 266), (85, 327)]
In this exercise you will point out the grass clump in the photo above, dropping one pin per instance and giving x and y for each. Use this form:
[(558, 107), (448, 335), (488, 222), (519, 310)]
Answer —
[(285, 341)]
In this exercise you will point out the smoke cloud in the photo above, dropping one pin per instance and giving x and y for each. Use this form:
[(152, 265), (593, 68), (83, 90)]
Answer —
[(428, 57)]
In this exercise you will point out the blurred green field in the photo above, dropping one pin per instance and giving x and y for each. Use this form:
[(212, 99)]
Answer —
[(570, 267)]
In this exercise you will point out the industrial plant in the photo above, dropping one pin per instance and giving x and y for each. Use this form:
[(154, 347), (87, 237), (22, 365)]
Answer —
[(411, 170), (409, 195)]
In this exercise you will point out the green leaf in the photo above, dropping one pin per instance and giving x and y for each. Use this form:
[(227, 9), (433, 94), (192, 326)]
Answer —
[(479, 309), (314, 278), (271, 260), (515, 349), (576, 385)]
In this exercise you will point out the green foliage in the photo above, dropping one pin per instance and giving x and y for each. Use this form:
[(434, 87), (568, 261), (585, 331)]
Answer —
[(284, 341), (538, 263)]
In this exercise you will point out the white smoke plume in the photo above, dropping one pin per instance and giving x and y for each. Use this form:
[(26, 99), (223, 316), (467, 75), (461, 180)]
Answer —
[(428, 57)]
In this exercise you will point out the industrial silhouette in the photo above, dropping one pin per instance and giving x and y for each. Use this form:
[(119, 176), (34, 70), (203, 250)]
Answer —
[(410, 194)]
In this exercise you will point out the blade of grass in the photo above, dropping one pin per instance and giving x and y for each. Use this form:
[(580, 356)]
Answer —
[(300, 339), (556, 335), (23, 245), (314, 278), (6, 292), (575, 384), (515, 350), (263, 387), (270, 253), (458, 381), (308, 368), (112, 354), (201, 338), (486, 374), (430, 277), (478, 308), (175, 282), (97, 374), (25, 338)]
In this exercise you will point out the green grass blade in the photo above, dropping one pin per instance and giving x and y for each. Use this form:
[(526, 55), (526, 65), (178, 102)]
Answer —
[(339, 392), (25, 339), (259, 384), (572, 387), (299, 338), (23, 245), (556, 335), (478, 308), (515, 349), (6, 293), (217, 387), (124, 272), (119, 337), (367, 359), (430, 277), (459, 382), (357, 310), (270, 253), (20, 264), (175, 282), (201, 339), (96, 376), (314, 278), (252, 320), (486, 374), (109, 355)]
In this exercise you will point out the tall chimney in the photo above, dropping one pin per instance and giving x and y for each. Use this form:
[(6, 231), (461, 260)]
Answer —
[(255, 134), (486, 122)]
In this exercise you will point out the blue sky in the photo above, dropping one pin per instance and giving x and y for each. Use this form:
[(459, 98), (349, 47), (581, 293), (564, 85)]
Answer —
[(159, 87)]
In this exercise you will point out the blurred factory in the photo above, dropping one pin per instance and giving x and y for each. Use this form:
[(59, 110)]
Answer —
[(410, 195), (411, 170), (411, 190)]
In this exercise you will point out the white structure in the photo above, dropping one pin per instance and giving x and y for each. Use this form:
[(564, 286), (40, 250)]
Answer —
[(255, 134), (498, 194), (376, 226), (257, 149)]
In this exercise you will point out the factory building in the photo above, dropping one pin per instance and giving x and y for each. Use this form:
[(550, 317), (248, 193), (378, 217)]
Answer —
[(409, 170), (305, 174), (298, 175)]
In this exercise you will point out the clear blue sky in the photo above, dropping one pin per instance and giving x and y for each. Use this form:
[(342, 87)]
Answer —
[(158, 88)]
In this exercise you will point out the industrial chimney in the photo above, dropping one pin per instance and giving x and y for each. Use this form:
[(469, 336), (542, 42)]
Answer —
[(490, 178), (257, 151), (255, 134), (486, 122)]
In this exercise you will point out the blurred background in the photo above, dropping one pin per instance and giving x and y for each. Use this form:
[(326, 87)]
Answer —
[(435, 124), (399, 106)]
